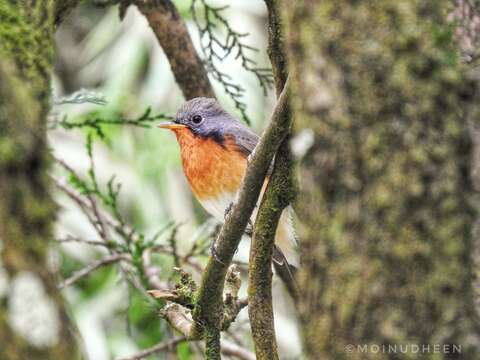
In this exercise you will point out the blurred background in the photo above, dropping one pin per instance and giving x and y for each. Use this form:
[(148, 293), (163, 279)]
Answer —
[(121, 63)]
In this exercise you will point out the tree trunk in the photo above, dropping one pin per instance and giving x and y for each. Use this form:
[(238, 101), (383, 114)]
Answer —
[(33, 320), (380, 96)]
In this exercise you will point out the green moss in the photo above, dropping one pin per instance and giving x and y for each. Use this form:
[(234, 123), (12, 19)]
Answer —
[(26, 209), (387, 222), (26, 34)]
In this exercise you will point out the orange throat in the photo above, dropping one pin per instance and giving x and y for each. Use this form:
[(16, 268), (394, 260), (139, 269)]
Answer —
[(211, 169)]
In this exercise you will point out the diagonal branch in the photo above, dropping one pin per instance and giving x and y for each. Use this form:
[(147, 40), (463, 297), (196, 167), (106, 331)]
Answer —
[(173, 36), (279, 193), (208, 311), (276, 198)]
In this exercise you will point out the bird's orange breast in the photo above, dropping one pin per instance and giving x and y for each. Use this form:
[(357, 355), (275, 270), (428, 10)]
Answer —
[(211, 169)]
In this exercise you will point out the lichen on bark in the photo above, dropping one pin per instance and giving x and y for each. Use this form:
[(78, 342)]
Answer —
[(385, 211)]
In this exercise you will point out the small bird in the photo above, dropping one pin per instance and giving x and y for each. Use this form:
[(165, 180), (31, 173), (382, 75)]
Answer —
[(214, 149)]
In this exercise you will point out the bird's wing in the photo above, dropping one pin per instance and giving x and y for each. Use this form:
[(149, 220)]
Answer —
[(244, 139)]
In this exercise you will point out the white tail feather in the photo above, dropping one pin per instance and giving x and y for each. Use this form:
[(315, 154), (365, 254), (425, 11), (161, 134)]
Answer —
[(286, 239)]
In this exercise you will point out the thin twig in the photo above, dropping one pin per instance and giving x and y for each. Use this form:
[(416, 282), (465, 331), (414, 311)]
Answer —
[(92, 267), (168, 344), (228, 349), (71, 238), (232, 349), (208, 21)]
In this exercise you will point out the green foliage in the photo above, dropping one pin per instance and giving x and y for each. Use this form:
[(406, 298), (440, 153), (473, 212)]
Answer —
[(96, 122), (125, 239), (208, 20), (144, 328), (184, 352)]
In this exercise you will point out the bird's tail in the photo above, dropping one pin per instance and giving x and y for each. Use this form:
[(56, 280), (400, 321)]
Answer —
[(286, 238), (285, 255)]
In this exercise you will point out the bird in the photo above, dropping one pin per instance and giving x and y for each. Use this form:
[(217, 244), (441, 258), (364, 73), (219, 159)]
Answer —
[(214, 149)]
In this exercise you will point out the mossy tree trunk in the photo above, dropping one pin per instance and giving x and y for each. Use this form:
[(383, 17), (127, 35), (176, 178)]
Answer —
[(33, 320), (380, 93)]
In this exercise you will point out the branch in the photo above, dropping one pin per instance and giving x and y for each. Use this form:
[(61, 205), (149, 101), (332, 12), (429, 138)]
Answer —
[(180, 318), (278, 195), (276, 198), (92, 267), (228, 349), (232, 304), (208, 312), (157, 348), (231, 349), (173, 36), (71, 238), (275, 46)]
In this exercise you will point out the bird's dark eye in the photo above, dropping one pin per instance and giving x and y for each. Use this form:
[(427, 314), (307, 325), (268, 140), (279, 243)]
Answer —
[(197, 119)]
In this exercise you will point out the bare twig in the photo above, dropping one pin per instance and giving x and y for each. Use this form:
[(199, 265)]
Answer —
[(232, 305), (168, 344), (228, 349), (275, 46), (208, 20), (70, 238), (231, 349), (172, 239), (77, 198), (92, 267)]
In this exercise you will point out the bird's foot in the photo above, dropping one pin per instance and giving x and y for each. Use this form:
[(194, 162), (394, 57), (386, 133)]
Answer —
[(249, 229), (228, 210), (249, 157), (214, 253)]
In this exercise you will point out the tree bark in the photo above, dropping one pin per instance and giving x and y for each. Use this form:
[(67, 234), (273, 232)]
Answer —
[(380, 94), (33, 320), (278, 195)]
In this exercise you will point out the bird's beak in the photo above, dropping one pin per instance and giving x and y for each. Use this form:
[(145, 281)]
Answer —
[(171, 125)]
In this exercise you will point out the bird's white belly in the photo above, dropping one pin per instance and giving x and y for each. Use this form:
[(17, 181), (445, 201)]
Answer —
[(217, 206)]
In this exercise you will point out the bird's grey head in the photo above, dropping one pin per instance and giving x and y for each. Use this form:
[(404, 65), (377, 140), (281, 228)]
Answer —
[(205, 117)]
